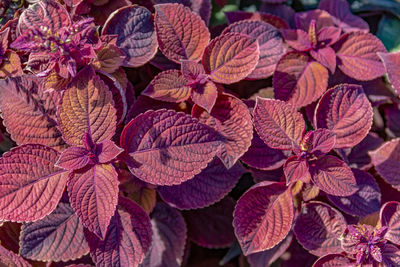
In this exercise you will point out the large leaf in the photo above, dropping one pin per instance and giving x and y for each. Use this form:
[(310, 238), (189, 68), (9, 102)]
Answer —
[(366, 200), (167, 148), (128, 238), (357, 56), (359, 157), (386, 160), (392, 66), (206, 188), (30, 184), (299, 80), (263, 217), (333, 176), (231, 57), (390, 217), (10, 259), (28, 113), (181, 33), (318, 228), (269, 42), (169, 238), (93, 192), (346, 110), (57, 237), (136, 35), (87, 107), (231, 118), (278, 124)]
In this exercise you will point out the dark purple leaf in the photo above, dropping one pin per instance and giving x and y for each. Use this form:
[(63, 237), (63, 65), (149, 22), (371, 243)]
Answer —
[(392, 66), (390, 217), (359, 156), (269, 175), (391, 255), (283, 11)]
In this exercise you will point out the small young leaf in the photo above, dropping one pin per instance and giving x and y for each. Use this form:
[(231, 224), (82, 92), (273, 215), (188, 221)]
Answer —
[(296, 169), (168, 148), (321, 17), (319, 142), (392, 66), (231, 57), (318, 228), (278, 124), (74, 158), (263, 217)]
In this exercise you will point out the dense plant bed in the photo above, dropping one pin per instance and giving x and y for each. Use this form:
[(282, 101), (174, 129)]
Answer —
[(159, 133)]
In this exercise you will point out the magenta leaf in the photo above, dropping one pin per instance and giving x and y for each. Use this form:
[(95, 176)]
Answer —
[(322, 19), (206, 188), (391, 255), (169, 238), (390, 217), (296, 169), (168, 148), (29, 113), (392, 67), (74, 158), (357, 56), (9, 258), (334, 260), (366, 200), (278, 124), (136, 34), (342, 16), (235, 16), (128, 238), (333, 176), (318, 228), (57, 237), (30, 184), (232, 119), (299, 80), (181, 33), (106, 151), (263, 217), (319, 142), (231, 57), (88, 189), (346, 110), (211, 227), (269, 42), (386, 160)]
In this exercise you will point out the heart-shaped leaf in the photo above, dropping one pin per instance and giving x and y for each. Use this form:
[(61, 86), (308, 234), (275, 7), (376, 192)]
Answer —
[(318, 228), (136, 35), (57, 237), (299, 80), (263, 216), (392, 66), (30, 184), (346, 110), (167, 148), (231, 57), (390, 217)]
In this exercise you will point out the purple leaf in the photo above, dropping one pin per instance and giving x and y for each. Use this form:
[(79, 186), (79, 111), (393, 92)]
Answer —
[(232, 119), (391, 62), (211, 227), (333, 176), (57, 237), (283, 11), (298, 39), (319, 142), (392, 116), (181, 33), (269, 42), (334, 260), (278, 124), (263, 217), (390, 217), (29, 113), (145, 103), (391, 255), (9, 258), (88, 189), (357, 56), (168, 148), (231, 57), (386, 160), (206, 188), (326, 56), (299, 80), (359, 156), (30, 184), (87, 107), (346, 110), (74, 158), (106, 151), (169, 238), (205, 95), (238, 15), (366, 200), (128, 238), (318, 228), (296, 169), (321, 17), (342, 16)]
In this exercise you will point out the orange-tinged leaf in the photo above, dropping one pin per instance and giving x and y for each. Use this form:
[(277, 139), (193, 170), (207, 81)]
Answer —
[(11, 67)]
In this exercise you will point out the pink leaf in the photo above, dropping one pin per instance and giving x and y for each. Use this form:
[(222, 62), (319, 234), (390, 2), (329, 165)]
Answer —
[(107, 150), (390, 217), (74, 158), (181, 33), (326, 56), (167, 148), (299, 80), (263, 217), (322, 18), (231, 57), (319, 142), (296, 169), (93, 193), (318, 228), (9, 258), (30, 184), (278, 124), (298, 39), (334, 260), (346, 110), (392, 66)]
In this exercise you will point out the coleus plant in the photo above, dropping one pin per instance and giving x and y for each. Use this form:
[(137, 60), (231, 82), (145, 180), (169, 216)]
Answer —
[(141, 134)]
